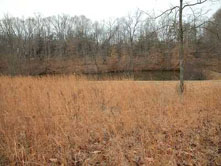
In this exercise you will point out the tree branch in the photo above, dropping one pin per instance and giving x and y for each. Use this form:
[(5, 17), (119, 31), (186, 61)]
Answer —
[(166, 11), (193, 4)]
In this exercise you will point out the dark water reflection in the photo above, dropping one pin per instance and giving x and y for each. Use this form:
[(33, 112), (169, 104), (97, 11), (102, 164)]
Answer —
[(139, 75)]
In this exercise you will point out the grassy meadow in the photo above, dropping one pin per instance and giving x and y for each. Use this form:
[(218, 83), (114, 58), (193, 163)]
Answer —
[(65, 120)]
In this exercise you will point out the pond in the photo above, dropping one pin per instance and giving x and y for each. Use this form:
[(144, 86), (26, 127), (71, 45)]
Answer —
[(138, 75)]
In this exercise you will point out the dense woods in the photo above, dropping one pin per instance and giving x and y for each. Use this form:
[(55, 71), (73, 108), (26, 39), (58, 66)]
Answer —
[(128, 42)]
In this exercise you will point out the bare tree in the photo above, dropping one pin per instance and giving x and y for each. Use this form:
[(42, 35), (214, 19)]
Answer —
[(181, 7), (131, 26)]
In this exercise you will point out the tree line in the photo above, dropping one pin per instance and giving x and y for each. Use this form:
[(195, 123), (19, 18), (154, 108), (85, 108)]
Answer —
[(136, 34)]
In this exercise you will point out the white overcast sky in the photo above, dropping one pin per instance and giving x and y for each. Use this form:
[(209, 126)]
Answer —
[(93, 9)]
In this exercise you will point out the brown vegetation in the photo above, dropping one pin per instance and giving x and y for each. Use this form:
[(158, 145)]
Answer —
[(64, 44), (72, 121)]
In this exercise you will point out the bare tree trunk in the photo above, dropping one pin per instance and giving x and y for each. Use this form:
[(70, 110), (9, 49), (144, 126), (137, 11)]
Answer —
[(181, 47)]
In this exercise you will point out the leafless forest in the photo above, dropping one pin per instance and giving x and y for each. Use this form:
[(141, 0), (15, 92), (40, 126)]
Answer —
[(65, 45)]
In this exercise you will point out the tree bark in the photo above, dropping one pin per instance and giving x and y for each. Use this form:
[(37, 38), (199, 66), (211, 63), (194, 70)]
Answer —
[(181, 47)]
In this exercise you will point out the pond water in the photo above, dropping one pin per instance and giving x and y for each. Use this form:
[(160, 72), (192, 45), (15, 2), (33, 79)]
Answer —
[(139, 75)]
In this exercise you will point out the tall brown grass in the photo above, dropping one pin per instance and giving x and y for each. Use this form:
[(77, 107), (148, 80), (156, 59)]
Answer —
[(69, 121)]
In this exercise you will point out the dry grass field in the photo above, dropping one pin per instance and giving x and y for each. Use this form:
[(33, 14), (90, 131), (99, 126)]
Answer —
[(72, 121)]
